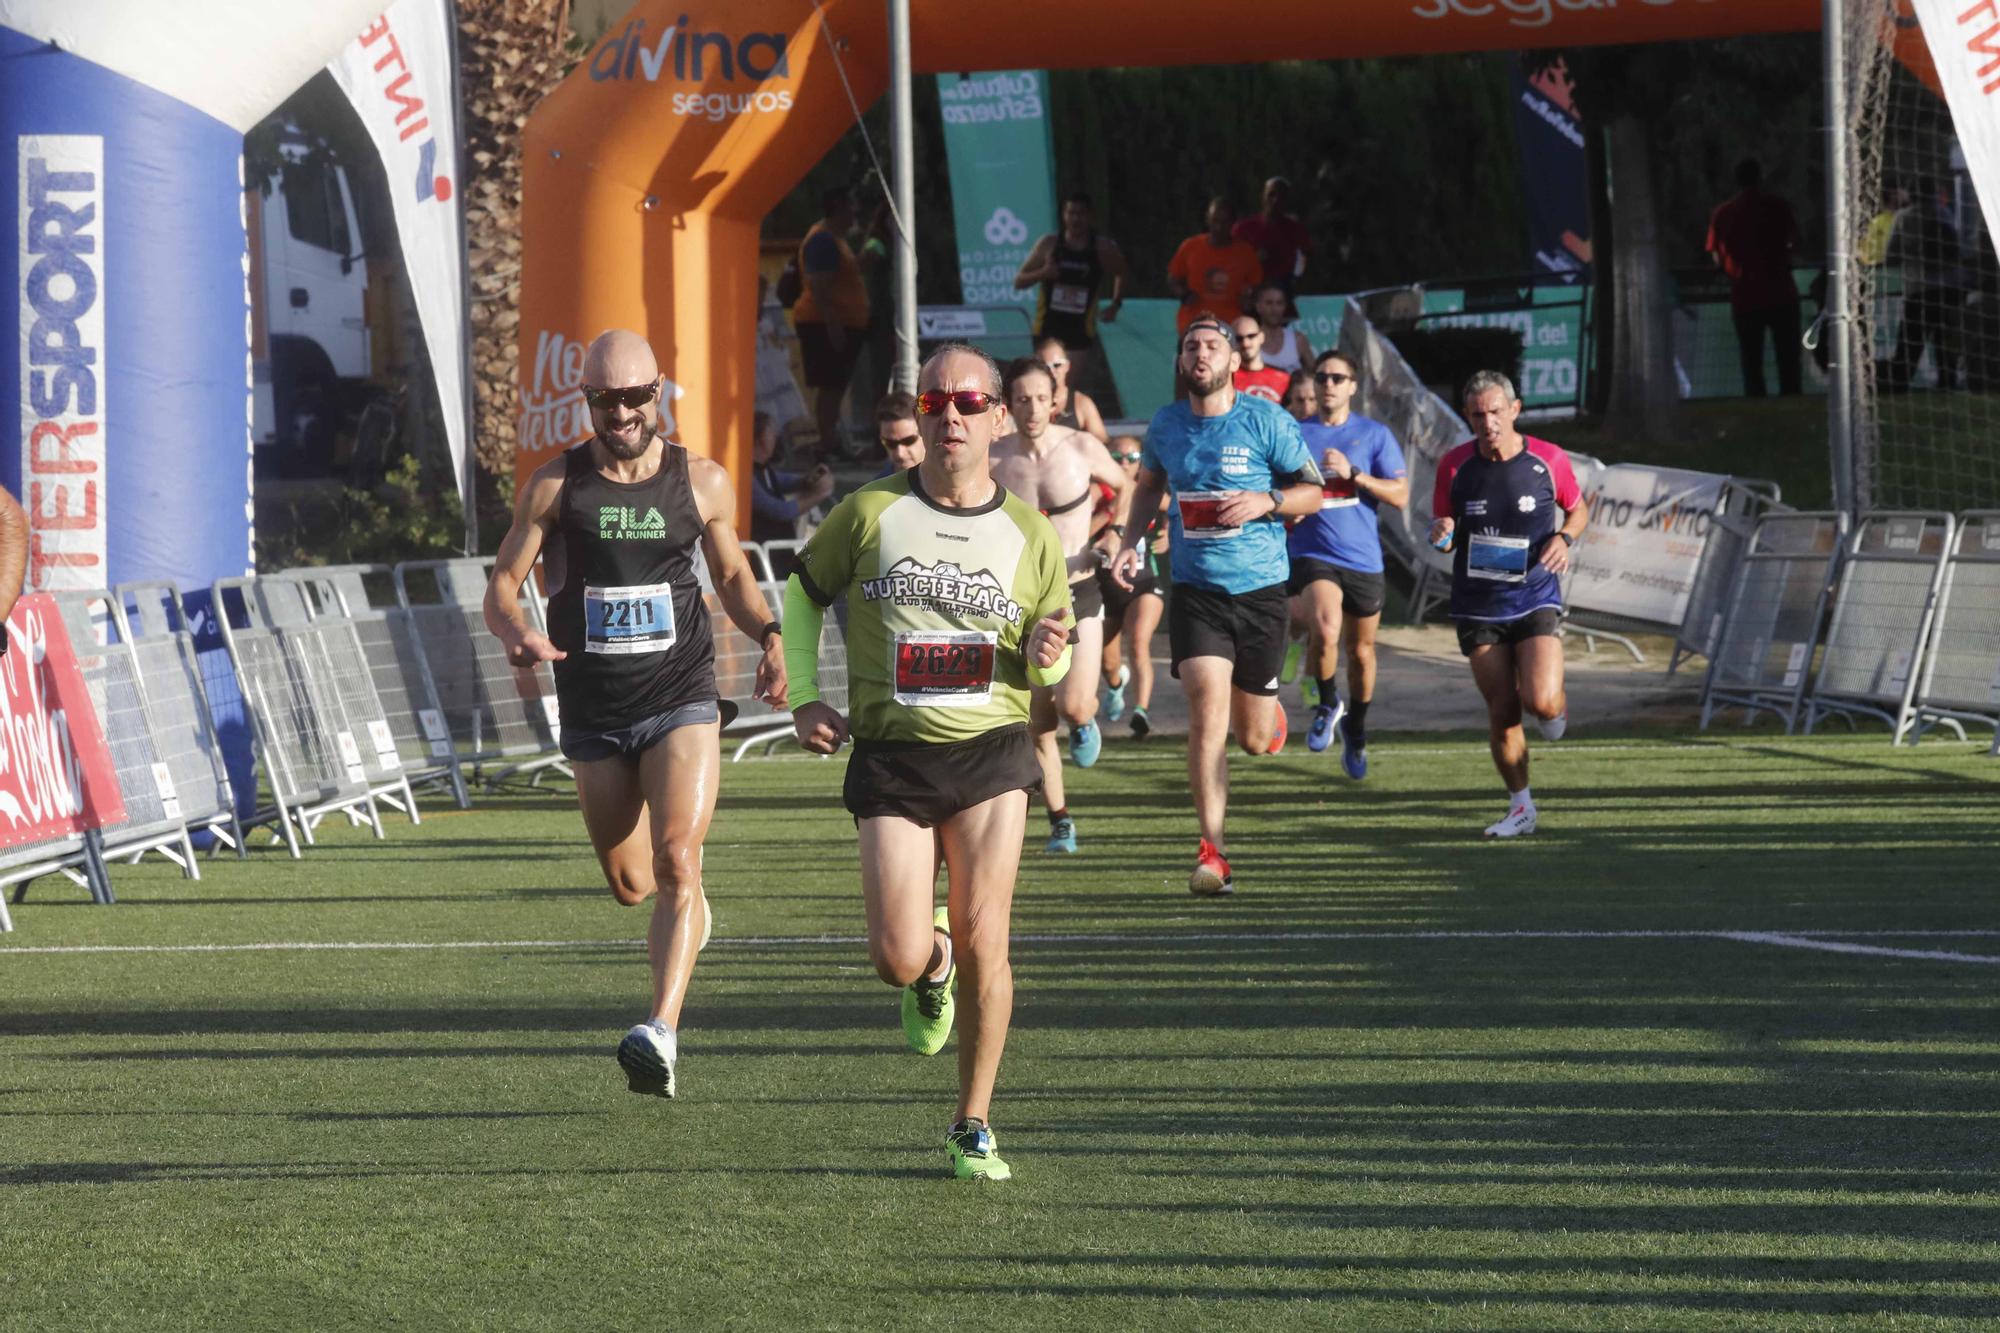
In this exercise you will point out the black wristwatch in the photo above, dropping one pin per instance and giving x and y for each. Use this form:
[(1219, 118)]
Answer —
[(764, 635), (1567, 539), (1277, 499)]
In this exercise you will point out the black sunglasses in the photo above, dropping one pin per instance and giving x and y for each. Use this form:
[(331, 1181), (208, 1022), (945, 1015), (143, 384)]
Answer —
[(899, 441), (632, 395), (1332, 377), (1133, 457), (969, 402)]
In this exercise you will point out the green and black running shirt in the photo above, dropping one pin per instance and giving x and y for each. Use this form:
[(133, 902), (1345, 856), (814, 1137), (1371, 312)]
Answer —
[(940, 602)]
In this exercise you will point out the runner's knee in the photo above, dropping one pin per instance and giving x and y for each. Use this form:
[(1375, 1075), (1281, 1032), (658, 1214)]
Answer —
[(898, 962), (1545, 702), (629, 888), (677, 866)]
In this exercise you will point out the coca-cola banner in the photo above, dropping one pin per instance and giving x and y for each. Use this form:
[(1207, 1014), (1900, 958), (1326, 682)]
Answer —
[(56, 777)]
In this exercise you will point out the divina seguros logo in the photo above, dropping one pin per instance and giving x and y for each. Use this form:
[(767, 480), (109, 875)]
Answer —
[(683, 53)]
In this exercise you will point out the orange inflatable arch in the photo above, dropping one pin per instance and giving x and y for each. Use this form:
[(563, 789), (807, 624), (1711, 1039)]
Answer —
[(648, 172)]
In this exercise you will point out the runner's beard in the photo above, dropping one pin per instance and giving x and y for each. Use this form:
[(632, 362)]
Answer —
[(627, 452)]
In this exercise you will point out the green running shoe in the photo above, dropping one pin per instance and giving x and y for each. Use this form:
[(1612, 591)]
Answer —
[(928, 1008), (975, 1153), (1294, 650)]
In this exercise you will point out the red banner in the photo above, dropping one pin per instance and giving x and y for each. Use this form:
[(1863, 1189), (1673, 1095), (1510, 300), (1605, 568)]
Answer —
[(56, 775)]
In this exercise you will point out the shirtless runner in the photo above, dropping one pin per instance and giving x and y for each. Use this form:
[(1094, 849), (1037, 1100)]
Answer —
[(1055, 469)]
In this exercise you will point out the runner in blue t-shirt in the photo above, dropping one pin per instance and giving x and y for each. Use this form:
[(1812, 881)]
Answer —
[(1337, 579), (1233, 464), (1496, 503)]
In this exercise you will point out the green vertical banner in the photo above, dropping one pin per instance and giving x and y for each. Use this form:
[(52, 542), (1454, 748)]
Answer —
[(1003, 194)]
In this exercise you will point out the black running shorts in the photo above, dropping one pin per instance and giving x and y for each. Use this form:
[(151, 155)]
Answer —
[(928, 783), (1361, 592), (1545, 620), (1248, 629)]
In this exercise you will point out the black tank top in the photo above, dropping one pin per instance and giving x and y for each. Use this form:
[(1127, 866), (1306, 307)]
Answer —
[(629, 612), (1068, 301)]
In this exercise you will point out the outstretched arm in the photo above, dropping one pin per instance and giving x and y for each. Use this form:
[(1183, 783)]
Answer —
[(534, 522), (13, 552)]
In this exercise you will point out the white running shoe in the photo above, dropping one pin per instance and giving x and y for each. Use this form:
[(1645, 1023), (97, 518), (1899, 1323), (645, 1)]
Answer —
[(647, 1056), (1519, 822), (1552, 728)]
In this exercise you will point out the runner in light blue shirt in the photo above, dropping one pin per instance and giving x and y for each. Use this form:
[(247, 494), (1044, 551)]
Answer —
[(1233, 464)]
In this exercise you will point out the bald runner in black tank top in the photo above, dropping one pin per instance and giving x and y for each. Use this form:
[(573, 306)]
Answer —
[(629, 611)]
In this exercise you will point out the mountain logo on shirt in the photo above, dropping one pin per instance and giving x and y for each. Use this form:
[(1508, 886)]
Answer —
[(943, 587)]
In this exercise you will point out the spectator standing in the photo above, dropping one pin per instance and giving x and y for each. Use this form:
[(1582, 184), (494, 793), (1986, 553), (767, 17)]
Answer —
[(1751, 236), (1069, 268), (832, 312), (1213, 273), (1924, 245), (1276, 234)]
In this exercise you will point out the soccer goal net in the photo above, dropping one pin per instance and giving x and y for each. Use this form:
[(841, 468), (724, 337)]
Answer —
[(1924, 283)]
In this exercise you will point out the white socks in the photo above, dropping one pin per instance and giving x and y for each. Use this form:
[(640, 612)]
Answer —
[(1520, 798), (943, 970), (1552, 728)]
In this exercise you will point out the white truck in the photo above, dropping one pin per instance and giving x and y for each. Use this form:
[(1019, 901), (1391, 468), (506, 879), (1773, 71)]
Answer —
[(311, 357)]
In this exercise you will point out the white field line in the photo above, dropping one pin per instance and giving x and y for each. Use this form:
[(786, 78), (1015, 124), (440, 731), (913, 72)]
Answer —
[(1793, 941), (1829, 939)]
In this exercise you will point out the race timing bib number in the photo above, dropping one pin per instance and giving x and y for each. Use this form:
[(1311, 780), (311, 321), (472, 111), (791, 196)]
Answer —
[(1500, 559), (637, 619), (1200, 517), (1338, 493), (945, 669), (1069, 298)]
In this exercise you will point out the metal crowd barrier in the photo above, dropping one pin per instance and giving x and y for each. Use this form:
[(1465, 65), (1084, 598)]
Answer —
[(1961, 673), (312, 764), (1763, 656), (332, 652), (496, 717), (1881, 618), (156, 625), (153, 819), (1744, 501), (75, 858), (736, 671), (384, 629)]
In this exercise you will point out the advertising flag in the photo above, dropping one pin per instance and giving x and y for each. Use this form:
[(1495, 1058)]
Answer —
[(398, 75)]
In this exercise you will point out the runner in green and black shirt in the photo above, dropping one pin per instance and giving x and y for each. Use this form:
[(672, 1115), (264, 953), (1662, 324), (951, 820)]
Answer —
[(958, 602)]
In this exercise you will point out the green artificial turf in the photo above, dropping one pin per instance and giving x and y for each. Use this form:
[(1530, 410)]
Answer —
[(1375, 1089)]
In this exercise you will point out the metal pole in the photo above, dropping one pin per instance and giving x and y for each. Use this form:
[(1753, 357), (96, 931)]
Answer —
[(1838, 326), (902, 154), (468, 486)]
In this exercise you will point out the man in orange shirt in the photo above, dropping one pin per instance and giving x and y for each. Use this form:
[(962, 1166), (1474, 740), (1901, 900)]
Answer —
[(832, 313), (1212, 273)]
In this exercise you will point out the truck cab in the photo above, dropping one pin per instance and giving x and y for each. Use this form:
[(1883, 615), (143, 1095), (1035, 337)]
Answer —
[(310, 351)]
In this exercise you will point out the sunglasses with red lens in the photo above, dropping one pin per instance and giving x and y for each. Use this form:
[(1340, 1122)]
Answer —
[(969, 402), (633, 396)]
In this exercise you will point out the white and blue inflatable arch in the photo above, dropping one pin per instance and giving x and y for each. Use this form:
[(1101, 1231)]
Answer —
[(121, 150)]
